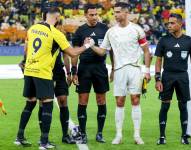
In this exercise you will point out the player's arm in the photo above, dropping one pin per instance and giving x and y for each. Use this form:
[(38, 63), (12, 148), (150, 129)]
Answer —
[(67, 66), (104, 46), (60, 38), (66, 63), (112, 65), (158, 66)]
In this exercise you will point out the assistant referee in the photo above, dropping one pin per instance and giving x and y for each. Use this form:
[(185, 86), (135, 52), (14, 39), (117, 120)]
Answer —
[(173, 51)]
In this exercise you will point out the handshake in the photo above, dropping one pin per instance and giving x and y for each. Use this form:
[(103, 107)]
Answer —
[(89, 42)]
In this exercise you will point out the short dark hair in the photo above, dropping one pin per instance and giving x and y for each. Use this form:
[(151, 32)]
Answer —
[(177, 16), (89, 6), (52, 10), (123, 5)]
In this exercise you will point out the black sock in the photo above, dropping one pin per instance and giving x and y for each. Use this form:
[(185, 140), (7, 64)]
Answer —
[(101, 115), (163, 118), (46, 121), (25, 116), (40, 117), (82, 117), (64, 119), (183, 117)]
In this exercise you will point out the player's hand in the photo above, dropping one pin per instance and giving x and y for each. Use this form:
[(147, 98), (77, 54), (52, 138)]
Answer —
[(89, 42), (111, 75), (75, 80), (148, 77), (22, 66), (69, 80), (159, 86)]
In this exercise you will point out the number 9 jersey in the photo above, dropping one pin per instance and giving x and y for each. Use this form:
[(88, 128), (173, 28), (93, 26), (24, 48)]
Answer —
[(43, 41)]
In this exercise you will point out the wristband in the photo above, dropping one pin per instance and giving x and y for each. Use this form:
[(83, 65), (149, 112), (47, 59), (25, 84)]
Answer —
[(147, 70), (157, 76), (74, 70)]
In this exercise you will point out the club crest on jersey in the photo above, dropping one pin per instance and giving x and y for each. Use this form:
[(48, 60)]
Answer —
[(184, 54), (169, 54)]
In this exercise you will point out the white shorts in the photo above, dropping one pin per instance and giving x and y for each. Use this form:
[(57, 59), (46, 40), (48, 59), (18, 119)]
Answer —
[(129, 80)]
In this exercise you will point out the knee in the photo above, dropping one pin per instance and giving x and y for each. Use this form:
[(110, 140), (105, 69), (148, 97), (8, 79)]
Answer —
[(135, 100), (120, 102), (100, 99), (83, 99), (182, 106), (62, 101)]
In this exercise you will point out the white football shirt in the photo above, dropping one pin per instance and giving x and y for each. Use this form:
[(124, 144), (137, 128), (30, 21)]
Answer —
[(125, 42)]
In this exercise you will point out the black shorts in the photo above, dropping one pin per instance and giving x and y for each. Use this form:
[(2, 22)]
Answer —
[(177, 81), (60, 84), (39, 88), (92, 73)]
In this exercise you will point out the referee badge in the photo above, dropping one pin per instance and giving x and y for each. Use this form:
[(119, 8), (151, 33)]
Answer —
[(169, 54), (184, 54)]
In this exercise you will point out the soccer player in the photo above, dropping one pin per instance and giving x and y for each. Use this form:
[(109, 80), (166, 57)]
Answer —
[(43, 40), (172, 51), (125, 39), (91, 70)]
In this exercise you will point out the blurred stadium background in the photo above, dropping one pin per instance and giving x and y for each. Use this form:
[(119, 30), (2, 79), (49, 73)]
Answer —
[(16, 16)]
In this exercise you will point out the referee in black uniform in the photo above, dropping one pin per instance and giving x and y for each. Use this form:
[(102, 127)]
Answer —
[(91, 70), (173, 51)]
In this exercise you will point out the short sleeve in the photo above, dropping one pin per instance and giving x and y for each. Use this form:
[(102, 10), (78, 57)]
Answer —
[(142, 36), (76, 40), (159, 48), (60, 38), (106, 43)]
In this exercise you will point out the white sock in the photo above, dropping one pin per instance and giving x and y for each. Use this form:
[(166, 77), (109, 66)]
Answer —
[(189, 117), (136, 117), (119, 118)]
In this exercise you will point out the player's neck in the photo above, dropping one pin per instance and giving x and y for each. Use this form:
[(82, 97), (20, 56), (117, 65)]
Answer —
[(50, 22), (123, 23), (91, 25), (177, 34)]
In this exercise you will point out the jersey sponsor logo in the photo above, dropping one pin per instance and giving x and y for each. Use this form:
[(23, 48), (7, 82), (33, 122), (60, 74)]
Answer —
[(184, 54), (93, 34), (177, 45), (169, 54)]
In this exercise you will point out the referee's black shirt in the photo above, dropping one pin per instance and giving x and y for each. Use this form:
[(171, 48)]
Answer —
[(175, 52), (97, 33)]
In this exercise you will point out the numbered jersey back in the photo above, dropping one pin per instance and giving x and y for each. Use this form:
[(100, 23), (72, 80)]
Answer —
[(40, 55)]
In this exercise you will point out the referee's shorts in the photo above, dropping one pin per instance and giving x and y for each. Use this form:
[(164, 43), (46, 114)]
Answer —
[(175, 81)]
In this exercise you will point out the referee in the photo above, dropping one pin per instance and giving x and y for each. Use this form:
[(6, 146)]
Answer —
[(172, 51), (91, 70), (42, 42)]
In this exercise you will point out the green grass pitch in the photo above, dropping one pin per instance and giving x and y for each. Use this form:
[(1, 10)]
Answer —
[(11, 94)]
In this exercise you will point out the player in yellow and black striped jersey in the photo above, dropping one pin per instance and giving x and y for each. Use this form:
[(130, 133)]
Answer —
[(43, 40)]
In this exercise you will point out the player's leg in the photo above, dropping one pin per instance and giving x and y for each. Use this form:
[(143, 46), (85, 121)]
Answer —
[(165, 105), (83, 89), (120, 91), (183, 95), (45, 93), (136, 115), (189, 118), (101, 86), (135, 88), (119, 118), (165, 97), (82, 115), (61, 92), (29, 92), (101, 116)]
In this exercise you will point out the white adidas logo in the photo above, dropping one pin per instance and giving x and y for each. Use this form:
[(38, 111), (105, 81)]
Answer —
[(177, 45), (93, 34)]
